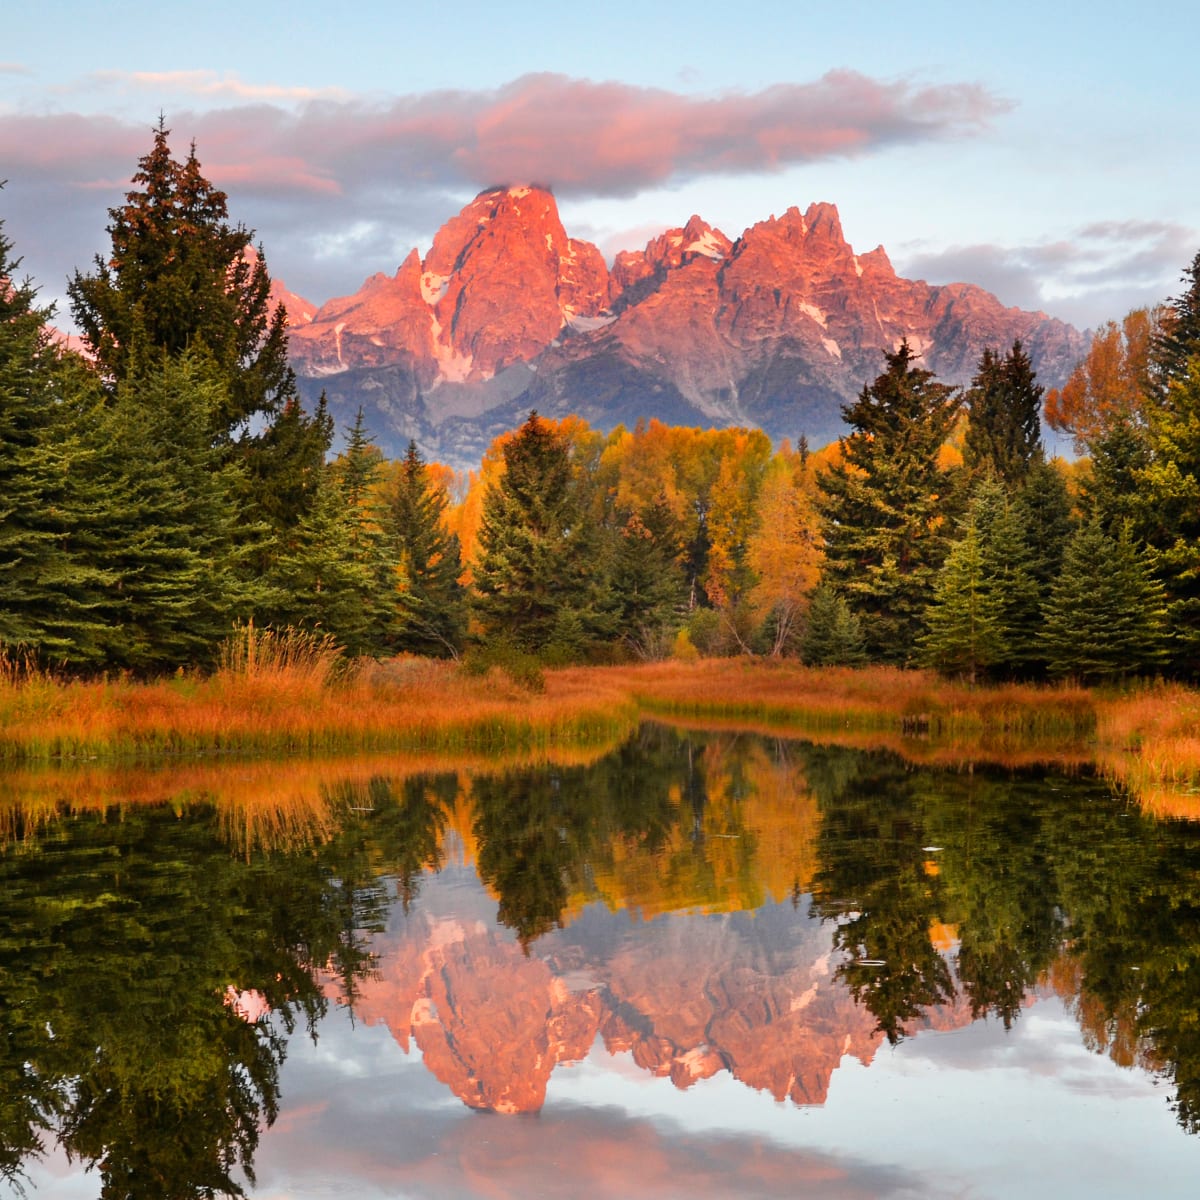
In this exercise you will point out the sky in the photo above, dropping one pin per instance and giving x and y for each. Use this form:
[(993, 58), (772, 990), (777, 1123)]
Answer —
[(1046, 151)]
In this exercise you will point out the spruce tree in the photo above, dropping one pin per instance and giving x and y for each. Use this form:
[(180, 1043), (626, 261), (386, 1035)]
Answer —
[(1005, 404), (322, 580), (181, 278), (50, 587), (1106, 617), (965, 635), (1166, 500), (175, 536), (430, 600), (648, 581), (541, 581), (1042, 511), (1008, 565), (1178, 337), (885, 503), (1119, 456), (833, 635)]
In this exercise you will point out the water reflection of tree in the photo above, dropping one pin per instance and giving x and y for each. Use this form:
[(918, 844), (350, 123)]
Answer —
[(996, 871), (873, 883), (1041, 878), (1133, 894), (119, 936), (539, 829)]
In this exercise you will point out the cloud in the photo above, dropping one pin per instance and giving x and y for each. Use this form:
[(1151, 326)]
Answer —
[(14, 68), (324, 177), (212, 85), (1097, 273)]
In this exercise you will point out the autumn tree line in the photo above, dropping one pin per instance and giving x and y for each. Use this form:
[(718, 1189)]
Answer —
[(165, 485)]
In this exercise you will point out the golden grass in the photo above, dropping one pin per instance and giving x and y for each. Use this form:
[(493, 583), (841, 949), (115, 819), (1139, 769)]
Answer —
[(916, 704), (1148, 741), (1145, 739), (296, 696), (276, 699)]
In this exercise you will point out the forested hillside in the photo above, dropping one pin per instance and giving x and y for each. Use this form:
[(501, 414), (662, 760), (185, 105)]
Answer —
[(166, 485)]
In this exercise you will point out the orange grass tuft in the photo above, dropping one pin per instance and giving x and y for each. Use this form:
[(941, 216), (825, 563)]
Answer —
[(287, 707)]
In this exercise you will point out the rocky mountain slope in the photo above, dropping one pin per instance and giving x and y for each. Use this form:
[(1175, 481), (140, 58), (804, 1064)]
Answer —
[(506, 312)]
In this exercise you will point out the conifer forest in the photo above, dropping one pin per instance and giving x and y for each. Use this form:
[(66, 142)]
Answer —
[(161, 484)]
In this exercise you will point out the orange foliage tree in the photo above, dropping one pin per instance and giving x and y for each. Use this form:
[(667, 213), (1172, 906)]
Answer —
[(1112, 381)]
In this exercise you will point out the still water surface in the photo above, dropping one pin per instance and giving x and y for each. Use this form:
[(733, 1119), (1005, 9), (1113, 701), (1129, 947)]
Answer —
[(702, 965)]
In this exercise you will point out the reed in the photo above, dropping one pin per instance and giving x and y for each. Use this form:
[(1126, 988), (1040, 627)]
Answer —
[(914, 703)]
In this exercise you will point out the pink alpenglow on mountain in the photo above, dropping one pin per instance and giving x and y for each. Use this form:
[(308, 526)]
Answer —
[(778, 329)]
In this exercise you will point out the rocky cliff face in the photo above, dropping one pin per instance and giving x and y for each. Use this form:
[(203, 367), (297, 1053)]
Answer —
[(506, 313)]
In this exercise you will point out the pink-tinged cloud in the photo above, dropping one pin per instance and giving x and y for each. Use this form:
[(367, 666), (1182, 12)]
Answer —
[(337, 186), (14, 68), (580, 136)]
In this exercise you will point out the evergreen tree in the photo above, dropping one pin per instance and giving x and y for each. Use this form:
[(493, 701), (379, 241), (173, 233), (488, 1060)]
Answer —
[(181, 278), (283, 472), (1042, 511), (175, 535), (540, 579), (1106, 617), (1119, 456), (1004, 432), (1008, 566), (833, 634), (648, 581), (431, 605), (1166, 499), (322, 580), (1178, 337), (885, 503), (966, 630), (334, 574), (50, 589)]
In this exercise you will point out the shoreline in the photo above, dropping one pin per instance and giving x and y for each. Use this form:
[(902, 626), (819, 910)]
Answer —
[(1144, 737)]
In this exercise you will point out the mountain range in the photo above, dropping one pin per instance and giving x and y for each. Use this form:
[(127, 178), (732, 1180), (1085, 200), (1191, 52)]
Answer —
[(507, 313)]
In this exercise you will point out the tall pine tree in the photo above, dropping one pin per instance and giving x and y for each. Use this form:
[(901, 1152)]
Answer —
[(965, 635), (648, 581), (50, 586), (180, 278), (541, 581), (1004, 432), (885, 503), (430, 600), (1178, 336), (1106, 616), (175, 535)]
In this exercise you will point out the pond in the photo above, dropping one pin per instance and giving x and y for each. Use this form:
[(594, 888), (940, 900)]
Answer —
[(698, 965)]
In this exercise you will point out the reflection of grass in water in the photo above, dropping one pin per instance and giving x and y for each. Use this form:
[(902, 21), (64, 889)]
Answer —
[(1149, 742), (1145, 738), (260, 804), (883, 698)]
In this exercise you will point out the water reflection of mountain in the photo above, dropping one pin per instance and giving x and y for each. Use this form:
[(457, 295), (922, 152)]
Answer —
[(702, 903), (685, 994), (724, 903)]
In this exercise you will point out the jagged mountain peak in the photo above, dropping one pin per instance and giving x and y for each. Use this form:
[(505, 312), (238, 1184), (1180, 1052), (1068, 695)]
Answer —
[(507, 312)]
